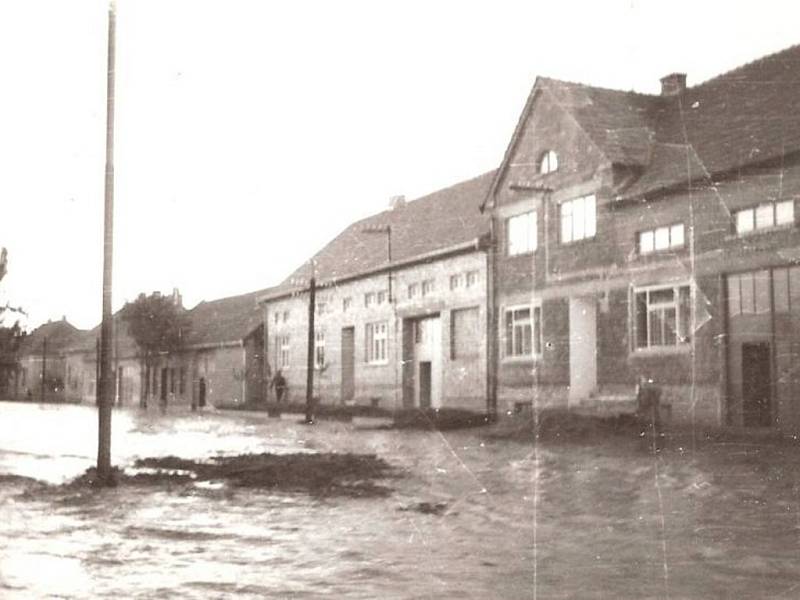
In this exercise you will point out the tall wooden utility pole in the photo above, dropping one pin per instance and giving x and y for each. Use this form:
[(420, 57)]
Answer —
[(104, 473), (312, 302)]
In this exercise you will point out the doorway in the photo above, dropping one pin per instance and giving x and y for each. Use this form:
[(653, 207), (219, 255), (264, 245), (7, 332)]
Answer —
[(201, 400), (164, 375), (582, 348), (348, 363), (428, 361), (756, 385), (425, 384)]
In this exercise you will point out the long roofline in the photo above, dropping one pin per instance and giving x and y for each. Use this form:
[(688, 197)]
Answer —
[(474, 245)]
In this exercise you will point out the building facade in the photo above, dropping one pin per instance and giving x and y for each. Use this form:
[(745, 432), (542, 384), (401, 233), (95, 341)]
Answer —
[(221, 361), (400, 311), (641, 237)]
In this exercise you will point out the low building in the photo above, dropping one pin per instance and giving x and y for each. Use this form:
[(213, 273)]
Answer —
[(653, 237), (42, 372), (220, 361), (400, 312)]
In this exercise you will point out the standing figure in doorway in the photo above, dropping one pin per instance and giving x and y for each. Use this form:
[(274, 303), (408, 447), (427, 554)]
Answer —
[(279, 383)]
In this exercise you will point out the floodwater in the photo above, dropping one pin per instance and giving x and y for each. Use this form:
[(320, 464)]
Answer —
[(601, 520)]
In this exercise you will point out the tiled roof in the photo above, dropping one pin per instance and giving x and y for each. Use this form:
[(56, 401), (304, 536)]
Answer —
[(214, 322), (433, 223), (225, 320), (86, 341), (59, 334), (619, 123), (746, 116)]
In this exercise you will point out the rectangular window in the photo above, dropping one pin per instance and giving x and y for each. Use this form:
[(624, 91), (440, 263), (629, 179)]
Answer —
[(182, 381), (734, 295), (456, 281), (578, 219), (764, 216), (321, 307), (465, 333), (369, 299), (662, 317), (381, 297), (780, 290), (762, 292), (376, 342), (428, 287), (472, 278), (285, 316), (276, 317), (346, 303), (523, 331), (283, 347), (172, 381), (319, 349), (660, 239), (413, 290), (522, 234)]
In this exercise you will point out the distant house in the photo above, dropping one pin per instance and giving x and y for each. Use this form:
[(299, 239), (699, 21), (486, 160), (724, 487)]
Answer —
[(41, 364), (220, 362), (654, 237), (400, 308)]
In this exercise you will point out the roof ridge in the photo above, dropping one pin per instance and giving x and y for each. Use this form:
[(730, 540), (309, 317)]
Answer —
[(419, 198), (744, 66), (600, 87)]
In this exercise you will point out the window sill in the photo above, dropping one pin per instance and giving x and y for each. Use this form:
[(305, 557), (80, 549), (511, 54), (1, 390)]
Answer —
[(520, 360), (760, 232), (662, 350), (377, 364), (666, 253), (520, 254), (585, 240)]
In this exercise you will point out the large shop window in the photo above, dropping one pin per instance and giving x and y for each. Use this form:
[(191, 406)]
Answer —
[(523, 330), (662, 317), (377, 338), (521, 231), (578, 219), (750, 293)]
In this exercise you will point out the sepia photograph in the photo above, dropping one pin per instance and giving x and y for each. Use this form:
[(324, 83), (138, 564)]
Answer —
[(381, 300)]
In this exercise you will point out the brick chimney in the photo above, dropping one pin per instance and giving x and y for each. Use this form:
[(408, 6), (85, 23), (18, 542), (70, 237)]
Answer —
[(396, 202), (673, 84)]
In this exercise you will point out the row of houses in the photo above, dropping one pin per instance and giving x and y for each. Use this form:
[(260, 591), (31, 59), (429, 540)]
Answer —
[(624, 237), (220, 360)]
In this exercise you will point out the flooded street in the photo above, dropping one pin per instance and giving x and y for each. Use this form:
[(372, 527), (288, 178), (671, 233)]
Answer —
[(468, 517)]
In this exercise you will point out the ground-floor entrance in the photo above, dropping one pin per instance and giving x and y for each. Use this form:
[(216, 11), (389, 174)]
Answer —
[(756, 385), (582, 348), (422, 362)]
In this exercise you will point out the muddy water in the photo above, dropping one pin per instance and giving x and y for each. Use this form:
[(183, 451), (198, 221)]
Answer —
[(607, 520)]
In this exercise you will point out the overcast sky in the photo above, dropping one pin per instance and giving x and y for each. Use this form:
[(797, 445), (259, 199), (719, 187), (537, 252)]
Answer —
[(250, 133)]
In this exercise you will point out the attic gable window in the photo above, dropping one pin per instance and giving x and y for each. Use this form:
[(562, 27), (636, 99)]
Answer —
[(548, 163)]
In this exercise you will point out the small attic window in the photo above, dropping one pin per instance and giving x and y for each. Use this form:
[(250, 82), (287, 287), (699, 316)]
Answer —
[(548, 163)]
